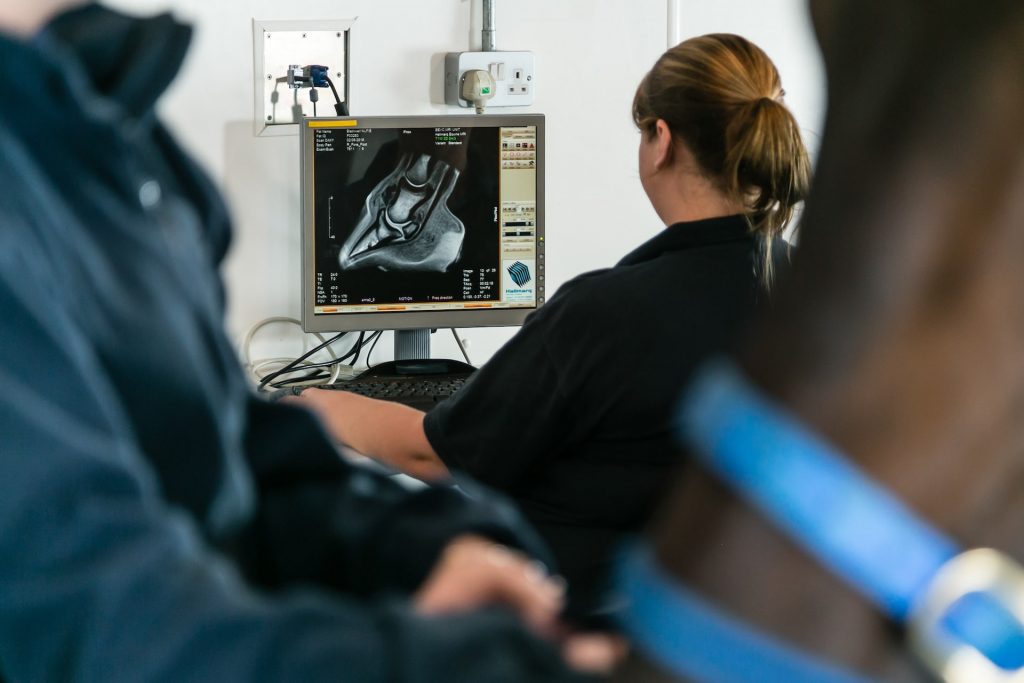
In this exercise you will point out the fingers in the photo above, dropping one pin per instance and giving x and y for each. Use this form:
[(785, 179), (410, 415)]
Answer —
[(308, 397), (474, 572), (525, 587), (332, 408), (596, 653)]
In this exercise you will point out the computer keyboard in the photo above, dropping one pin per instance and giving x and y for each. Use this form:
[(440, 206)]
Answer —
[(420, 384)]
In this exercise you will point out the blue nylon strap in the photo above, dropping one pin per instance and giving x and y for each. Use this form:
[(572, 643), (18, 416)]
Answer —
[(804, 486), (687, 636), (982, 621), (811, 492)]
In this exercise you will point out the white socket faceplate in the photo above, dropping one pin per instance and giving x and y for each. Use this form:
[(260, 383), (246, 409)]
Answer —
[(513, 73)]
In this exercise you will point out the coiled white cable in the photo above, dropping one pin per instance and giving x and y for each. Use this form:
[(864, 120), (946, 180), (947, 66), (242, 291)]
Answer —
[(259, 369)]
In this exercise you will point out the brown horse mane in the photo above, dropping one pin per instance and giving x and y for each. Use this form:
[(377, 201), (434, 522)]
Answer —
[(899, 332)]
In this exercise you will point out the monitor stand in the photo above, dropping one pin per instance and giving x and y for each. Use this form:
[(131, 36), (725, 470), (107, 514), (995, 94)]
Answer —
[(412, 344), (412, 357)]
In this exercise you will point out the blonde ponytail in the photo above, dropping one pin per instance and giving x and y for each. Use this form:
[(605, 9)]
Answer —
[(767, 166), (722, 97)]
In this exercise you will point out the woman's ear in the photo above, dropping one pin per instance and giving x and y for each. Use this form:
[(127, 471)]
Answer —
[(664, 149)]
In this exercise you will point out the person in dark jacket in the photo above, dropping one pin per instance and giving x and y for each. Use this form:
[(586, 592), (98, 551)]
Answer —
[(572, 416), (157, 521)]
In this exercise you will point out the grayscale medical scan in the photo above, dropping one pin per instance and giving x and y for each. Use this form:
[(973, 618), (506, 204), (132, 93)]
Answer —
[(405, 223), (418, 201), (422, 222)]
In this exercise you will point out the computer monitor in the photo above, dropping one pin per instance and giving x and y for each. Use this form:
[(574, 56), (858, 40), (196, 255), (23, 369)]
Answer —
[(422, 222)]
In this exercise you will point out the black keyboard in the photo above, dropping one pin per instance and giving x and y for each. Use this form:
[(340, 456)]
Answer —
[(420, 384)]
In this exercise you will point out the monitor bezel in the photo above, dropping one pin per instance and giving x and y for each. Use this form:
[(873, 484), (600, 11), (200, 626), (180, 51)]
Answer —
[(409, 320)]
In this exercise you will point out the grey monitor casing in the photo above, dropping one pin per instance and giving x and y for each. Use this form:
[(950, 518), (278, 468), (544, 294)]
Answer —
[(409, 320)]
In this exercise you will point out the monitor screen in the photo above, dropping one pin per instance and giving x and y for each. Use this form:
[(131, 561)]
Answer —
[(422, 222)]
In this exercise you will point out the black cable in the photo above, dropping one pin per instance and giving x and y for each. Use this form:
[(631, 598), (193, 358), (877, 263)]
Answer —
[(314, 97), (291, 367), (339, 107), (369, 356), (372, 338), (298, 369), (355, 350), (284, 384), (285, 370), (313, 366), (359, 348)]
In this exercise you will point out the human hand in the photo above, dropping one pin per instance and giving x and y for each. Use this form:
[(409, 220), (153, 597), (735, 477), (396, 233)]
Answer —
[(594, 653), (333, 408), (474, 572), (388, 432)]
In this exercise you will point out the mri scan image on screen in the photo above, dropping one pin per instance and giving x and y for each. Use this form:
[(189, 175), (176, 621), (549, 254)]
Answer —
[(405, 223), (411, 220), (421, 202)]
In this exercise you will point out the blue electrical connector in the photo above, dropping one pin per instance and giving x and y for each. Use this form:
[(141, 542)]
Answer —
[(318, 76)]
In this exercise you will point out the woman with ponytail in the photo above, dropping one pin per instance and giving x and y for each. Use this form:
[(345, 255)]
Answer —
[(713, 123), (572, 417)]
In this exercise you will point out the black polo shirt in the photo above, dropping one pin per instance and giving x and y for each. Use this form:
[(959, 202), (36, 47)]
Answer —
[(572, 417)]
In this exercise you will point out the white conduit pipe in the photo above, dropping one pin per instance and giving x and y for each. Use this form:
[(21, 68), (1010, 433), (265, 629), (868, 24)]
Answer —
[(675, 31)]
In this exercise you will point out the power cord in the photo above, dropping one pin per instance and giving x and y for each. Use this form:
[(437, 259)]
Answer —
[(265, 367), (339, 107), (272, 372), (251, 334), (298, 365), (369, 356), (461, 346), (319, 377)]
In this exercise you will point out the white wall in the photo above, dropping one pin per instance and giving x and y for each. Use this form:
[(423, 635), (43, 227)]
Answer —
[(590, 56)]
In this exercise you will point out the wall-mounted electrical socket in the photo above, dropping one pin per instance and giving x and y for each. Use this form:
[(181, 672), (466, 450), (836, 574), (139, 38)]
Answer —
[(280, 45), (513, 74)]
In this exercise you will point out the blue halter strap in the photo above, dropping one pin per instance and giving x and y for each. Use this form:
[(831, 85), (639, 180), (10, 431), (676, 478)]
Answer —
[(849, 524)]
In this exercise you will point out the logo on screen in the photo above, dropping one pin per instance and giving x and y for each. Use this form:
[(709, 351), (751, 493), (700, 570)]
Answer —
[(519, 273)]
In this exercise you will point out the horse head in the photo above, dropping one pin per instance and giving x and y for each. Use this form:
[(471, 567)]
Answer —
[(898, 335)]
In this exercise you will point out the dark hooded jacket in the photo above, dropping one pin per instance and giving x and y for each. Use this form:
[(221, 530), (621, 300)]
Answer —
[(157, 520)]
